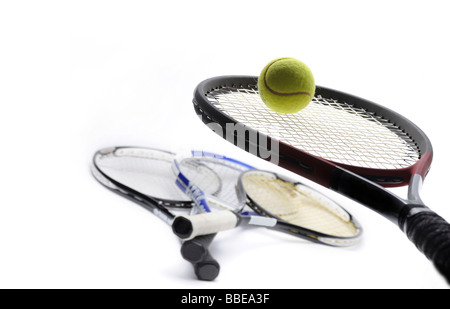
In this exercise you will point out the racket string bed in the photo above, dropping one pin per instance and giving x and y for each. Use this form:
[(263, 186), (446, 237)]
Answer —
[(146, 176), (298, 205), (340, 132)]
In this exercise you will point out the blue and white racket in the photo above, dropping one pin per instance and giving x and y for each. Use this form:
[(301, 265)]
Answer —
[(210, 181)]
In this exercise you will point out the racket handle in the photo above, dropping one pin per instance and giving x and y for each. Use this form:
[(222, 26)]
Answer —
[(207, 269), (196, 249), (188, 227), (431, 234)]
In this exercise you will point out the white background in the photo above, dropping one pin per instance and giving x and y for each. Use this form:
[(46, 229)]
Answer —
[(76, 76)]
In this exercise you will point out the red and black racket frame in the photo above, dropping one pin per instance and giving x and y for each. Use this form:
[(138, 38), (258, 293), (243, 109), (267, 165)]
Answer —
[(365, 185)]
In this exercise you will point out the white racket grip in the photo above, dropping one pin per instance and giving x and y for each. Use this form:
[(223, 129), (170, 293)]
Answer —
[(188, 227)]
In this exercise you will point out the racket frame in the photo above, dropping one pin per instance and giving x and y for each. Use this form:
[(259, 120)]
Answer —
[(337, 176)]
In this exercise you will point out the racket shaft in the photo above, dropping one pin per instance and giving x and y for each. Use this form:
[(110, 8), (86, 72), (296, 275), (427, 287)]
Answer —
[(367, 193)]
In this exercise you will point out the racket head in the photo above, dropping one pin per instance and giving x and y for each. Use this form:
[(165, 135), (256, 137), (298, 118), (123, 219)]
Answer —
[(143, 175), (305, 210), (335, 129)]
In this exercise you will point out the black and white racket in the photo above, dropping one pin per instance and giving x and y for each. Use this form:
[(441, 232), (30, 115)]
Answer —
[(281, 204), (145, 176), (345, 143)]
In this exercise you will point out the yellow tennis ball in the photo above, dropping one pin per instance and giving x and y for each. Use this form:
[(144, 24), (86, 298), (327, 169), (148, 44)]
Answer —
[(286, 85)]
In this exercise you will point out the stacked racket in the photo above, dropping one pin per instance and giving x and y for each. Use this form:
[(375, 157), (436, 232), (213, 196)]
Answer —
[(204, 193)]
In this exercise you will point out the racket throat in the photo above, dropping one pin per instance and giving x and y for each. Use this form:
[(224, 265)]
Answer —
[(414, 188), (367, 193)]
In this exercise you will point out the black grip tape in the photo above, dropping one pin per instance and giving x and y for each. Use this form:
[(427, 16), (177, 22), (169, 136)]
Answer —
[(207, 269), (431, 234), (196, 251)]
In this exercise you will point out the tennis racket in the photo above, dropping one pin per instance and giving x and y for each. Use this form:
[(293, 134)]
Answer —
[(145, 176), (343, 142), (280, 204), (210, 180)]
